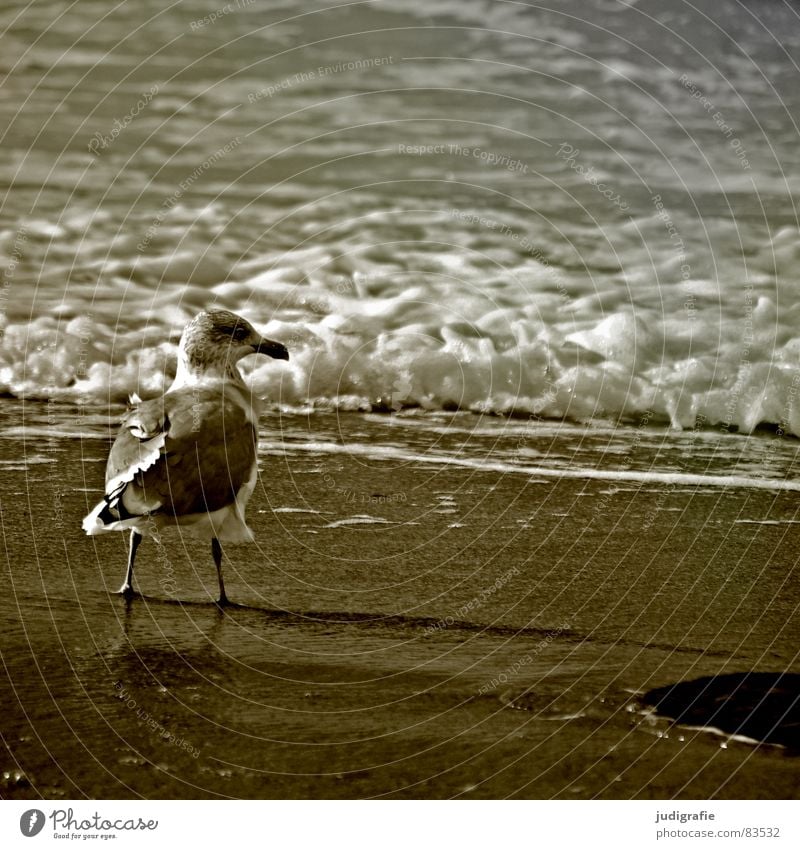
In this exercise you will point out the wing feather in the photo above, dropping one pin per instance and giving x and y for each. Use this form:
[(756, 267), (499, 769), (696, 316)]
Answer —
[(187, 452)]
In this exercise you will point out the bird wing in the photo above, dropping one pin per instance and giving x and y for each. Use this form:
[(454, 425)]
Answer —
[(189, 451)]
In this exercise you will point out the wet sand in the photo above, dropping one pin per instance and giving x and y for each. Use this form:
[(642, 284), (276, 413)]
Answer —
[(484, 635)]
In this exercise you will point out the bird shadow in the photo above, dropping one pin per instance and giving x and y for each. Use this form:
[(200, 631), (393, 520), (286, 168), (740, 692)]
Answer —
[(761, 706), (428, 625), (330, 618)]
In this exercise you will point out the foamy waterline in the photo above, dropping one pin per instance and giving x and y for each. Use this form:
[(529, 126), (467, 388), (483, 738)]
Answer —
[(512, 344), (540, 473)]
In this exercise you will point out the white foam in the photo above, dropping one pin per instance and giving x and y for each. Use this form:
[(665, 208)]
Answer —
[(378, 337), (542, 473), (359, 520), (32, 432), (766, 522)]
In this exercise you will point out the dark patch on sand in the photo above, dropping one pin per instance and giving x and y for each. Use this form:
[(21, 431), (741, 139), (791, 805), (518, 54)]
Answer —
[(764, 706)]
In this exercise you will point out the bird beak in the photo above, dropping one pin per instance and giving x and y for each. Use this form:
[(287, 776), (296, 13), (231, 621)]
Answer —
[(272, 349)]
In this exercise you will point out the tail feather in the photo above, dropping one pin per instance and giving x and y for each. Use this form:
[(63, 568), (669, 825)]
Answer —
[(107, 513)]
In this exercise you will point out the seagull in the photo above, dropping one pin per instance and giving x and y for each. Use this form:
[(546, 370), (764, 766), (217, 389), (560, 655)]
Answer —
[(188, 458)]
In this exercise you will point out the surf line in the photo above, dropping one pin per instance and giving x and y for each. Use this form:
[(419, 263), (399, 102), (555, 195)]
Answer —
[(481, 465)]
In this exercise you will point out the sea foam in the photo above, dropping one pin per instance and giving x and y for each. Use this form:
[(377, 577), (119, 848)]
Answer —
[(390, 328)]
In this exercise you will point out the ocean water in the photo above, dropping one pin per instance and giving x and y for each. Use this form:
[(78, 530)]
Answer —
[(578, 211)]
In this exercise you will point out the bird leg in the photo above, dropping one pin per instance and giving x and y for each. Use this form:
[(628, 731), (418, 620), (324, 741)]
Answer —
[(127, 588), (216, 552)]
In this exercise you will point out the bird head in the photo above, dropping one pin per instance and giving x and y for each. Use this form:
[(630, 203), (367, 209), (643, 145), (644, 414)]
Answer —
[(215, 340)]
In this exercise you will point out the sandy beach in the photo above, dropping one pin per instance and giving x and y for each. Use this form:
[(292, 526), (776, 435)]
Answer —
[(414, 630)]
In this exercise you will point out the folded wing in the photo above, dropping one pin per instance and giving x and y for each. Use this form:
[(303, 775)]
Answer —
[(188, 452)]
